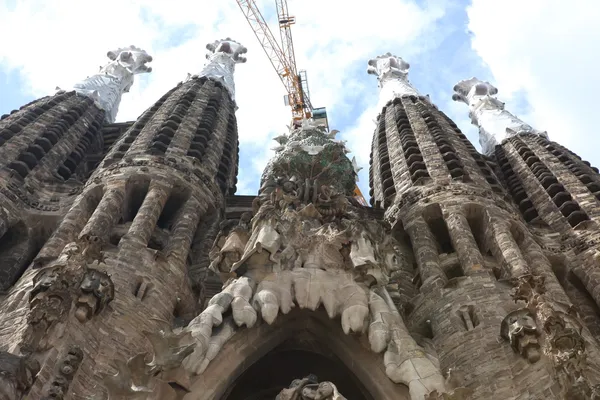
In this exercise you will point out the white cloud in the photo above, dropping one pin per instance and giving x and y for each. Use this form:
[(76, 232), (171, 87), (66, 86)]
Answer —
[(546, 49), (57, 43)]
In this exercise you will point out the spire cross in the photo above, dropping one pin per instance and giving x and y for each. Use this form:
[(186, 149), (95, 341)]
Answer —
[(488, 113)]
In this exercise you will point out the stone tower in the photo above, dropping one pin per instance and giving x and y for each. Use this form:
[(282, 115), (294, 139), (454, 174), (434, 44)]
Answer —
[(131, 270)]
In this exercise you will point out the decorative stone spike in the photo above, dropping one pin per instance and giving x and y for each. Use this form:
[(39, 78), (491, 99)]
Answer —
[(488, 113), (115, 78)]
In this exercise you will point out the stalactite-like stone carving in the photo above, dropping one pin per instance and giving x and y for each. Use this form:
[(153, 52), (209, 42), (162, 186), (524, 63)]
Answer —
[(223, 56), (141, 380), (520, 329), (309, 246), (488, 113), (115, 78), (309, 388), (66, 369), (17, 374)]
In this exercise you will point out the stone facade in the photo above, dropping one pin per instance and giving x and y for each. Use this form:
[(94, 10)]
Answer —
[(131, 270)]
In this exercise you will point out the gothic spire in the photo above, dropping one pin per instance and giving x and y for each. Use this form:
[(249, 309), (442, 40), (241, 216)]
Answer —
[(115, 78), (223, 56), (488, 113), (392, 74)]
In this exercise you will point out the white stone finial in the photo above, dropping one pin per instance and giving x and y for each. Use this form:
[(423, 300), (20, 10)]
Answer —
[(488, 113), (223, 56), (115, 78), (392, 74)]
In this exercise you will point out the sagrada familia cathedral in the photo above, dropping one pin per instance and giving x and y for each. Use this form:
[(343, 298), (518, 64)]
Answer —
[(129, 269)]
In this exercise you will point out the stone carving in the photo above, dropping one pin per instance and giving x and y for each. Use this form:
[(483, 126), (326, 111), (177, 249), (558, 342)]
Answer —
[(488, 113), (66, 282), (141, 380), (223, 56), (308, 246), (309, 388), (520, 329), (97, 290), (67, 367), (392, 74), (561, 336), (50, 300), (115, 78), (17, 374)]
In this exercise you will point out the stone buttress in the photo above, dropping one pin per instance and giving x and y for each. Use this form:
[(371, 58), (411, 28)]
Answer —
[(43, 156), (469, 244), (115, 272)]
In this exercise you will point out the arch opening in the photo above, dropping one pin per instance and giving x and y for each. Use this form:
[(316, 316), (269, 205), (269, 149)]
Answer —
[(289, 361)]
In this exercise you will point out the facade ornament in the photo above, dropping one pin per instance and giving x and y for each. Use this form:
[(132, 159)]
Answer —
[(73, 280), (392, 75), (308, 246), (142, 380), (222, 57), (67, 367), (97, 290), (488, 113), (561, 337), (309, 388), (115, 78), (49, 301), (17, 374), (520, 329)]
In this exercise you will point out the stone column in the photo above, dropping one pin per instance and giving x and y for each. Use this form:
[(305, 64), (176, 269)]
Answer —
[(184, 229), (426, 254), (508, 249), (463, 241), (107, 213), (145, 221)]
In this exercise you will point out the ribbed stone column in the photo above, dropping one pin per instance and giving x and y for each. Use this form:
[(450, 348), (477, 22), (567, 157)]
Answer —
[(426, 253), (508, 249), (143, 224), (107, 213), (463, 241)]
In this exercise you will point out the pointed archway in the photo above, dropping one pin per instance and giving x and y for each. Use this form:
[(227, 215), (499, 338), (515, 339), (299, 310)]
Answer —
[(257, 361)]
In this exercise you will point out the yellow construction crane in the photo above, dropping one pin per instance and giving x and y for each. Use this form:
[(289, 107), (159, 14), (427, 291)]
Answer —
[(283, 59)]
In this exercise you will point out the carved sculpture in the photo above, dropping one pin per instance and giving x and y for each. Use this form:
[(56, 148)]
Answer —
[(97, 290), (520, 329), (223, 56), (309, 388), (488, 113), (66, 282), (115, 78), (66, 369), (309, 246), (392, 75), (17, 374), (561, 338), (138, 379)]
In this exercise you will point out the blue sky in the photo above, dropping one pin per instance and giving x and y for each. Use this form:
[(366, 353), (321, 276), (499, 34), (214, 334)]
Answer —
[(539, 53)]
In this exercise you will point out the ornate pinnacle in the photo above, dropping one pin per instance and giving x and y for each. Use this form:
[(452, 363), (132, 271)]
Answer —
[(392, 74), (488, 113), (222, 57), (114, 79)]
